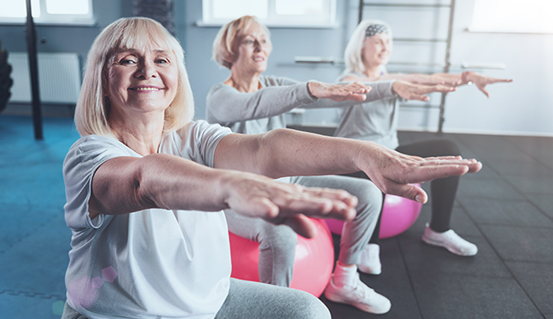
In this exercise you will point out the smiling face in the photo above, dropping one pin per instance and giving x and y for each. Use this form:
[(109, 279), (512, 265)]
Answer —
[(142, 80), (253, 50), (376, 50)]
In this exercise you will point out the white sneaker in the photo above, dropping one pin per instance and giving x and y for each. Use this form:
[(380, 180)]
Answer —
[(359, 296), (370, 260), (450, 241)]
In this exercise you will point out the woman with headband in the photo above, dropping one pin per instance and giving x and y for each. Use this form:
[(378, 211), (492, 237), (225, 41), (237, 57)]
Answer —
[(250, 103), (366, 55)]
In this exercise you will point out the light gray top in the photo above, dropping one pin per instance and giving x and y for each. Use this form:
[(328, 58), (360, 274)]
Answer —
[(153, 263), (263, 110), (370, 120)]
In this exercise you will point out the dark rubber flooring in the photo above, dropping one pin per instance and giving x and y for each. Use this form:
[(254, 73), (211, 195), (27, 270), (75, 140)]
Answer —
[(506, 209)]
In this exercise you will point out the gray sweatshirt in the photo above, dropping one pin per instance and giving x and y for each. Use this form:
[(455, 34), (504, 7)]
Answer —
[(374, 121), (263, 110)]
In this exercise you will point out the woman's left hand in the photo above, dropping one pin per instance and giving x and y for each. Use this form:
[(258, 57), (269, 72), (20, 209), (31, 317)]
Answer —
[(392, 172), (481, 81), (339, 92)]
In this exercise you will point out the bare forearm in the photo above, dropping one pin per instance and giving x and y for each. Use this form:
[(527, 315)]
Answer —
[(293, 153), (308, 154), (426, 79), (175, 183), (125, 185)]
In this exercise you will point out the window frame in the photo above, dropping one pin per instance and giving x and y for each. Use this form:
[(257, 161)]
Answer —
[(476, 28), (273, 19), (54, 19)]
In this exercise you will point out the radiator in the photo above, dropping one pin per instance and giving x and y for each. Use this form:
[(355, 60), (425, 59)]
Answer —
[(59, 77)]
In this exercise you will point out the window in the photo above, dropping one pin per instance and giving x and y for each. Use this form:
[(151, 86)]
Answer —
[(524, 16), (48, 11), (273, 13)]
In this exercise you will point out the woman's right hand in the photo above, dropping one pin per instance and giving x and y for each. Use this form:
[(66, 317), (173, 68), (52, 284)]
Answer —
[(339, 92), (258, 196), (411, 91)]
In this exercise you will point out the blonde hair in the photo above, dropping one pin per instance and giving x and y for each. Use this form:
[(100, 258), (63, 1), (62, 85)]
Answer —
[(93, 107), (353, 56), (226, 41)]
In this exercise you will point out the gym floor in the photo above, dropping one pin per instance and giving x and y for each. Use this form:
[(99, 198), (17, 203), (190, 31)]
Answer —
[(506, 209)]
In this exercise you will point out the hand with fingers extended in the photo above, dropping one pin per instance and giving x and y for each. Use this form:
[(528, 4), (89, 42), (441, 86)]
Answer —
[(339, 92), (481, 81), (253, 195), (411, 91), (392, 171)]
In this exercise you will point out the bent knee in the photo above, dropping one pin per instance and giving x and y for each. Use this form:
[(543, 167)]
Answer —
[(368, 193), (278, 237), (309, 307)]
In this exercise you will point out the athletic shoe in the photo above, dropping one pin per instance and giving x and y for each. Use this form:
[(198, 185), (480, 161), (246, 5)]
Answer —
[(358, 295), (370, 260), (450, 241)]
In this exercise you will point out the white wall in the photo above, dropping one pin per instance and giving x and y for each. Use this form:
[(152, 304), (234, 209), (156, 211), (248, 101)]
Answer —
[(522, 107)]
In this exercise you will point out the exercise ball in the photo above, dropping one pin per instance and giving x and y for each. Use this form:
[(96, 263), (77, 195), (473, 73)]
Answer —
[(398, 215), (313, 263)]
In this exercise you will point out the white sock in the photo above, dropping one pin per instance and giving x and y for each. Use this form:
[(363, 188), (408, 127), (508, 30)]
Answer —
[(344, 276)]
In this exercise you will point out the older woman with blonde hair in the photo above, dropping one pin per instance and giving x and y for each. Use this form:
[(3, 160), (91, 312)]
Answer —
[(251, 103), (366, 56), (146, 187)]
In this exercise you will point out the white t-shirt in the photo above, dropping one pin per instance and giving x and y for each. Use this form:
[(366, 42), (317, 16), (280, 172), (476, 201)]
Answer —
[(153, 263)]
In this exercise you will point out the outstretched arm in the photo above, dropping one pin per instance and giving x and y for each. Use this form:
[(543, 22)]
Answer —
[(481, 81), (124, 185), (414, 78), (405, 88), (467, 77), (442, 80), (418, 92), (292, 153), (225, 104)]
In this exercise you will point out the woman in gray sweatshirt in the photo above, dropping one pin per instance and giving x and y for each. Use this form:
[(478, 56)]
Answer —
[(250, 103)]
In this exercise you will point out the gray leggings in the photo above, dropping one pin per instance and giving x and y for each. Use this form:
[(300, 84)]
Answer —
[(277, 242), (254, 300)]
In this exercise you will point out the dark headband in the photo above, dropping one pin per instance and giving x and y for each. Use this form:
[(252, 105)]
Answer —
[(375, 29)]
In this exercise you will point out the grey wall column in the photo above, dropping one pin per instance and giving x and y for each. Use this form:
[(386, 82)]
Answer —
[(160, 10), (33, 68)]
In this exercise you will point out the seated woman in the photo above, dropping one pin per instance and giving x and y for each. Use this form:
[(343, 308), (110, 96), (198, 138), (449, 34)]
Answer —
[(250, 103), (146, 187), (366, 55)]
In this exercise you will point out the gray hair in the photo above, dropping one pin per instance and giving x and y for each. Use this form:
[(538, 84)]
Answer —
[(353, 55)]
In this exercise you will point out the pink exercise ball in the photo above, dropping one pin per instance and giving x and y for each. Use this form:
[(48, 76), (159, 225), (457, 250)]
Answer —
[(312, 266), (398, 215)]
